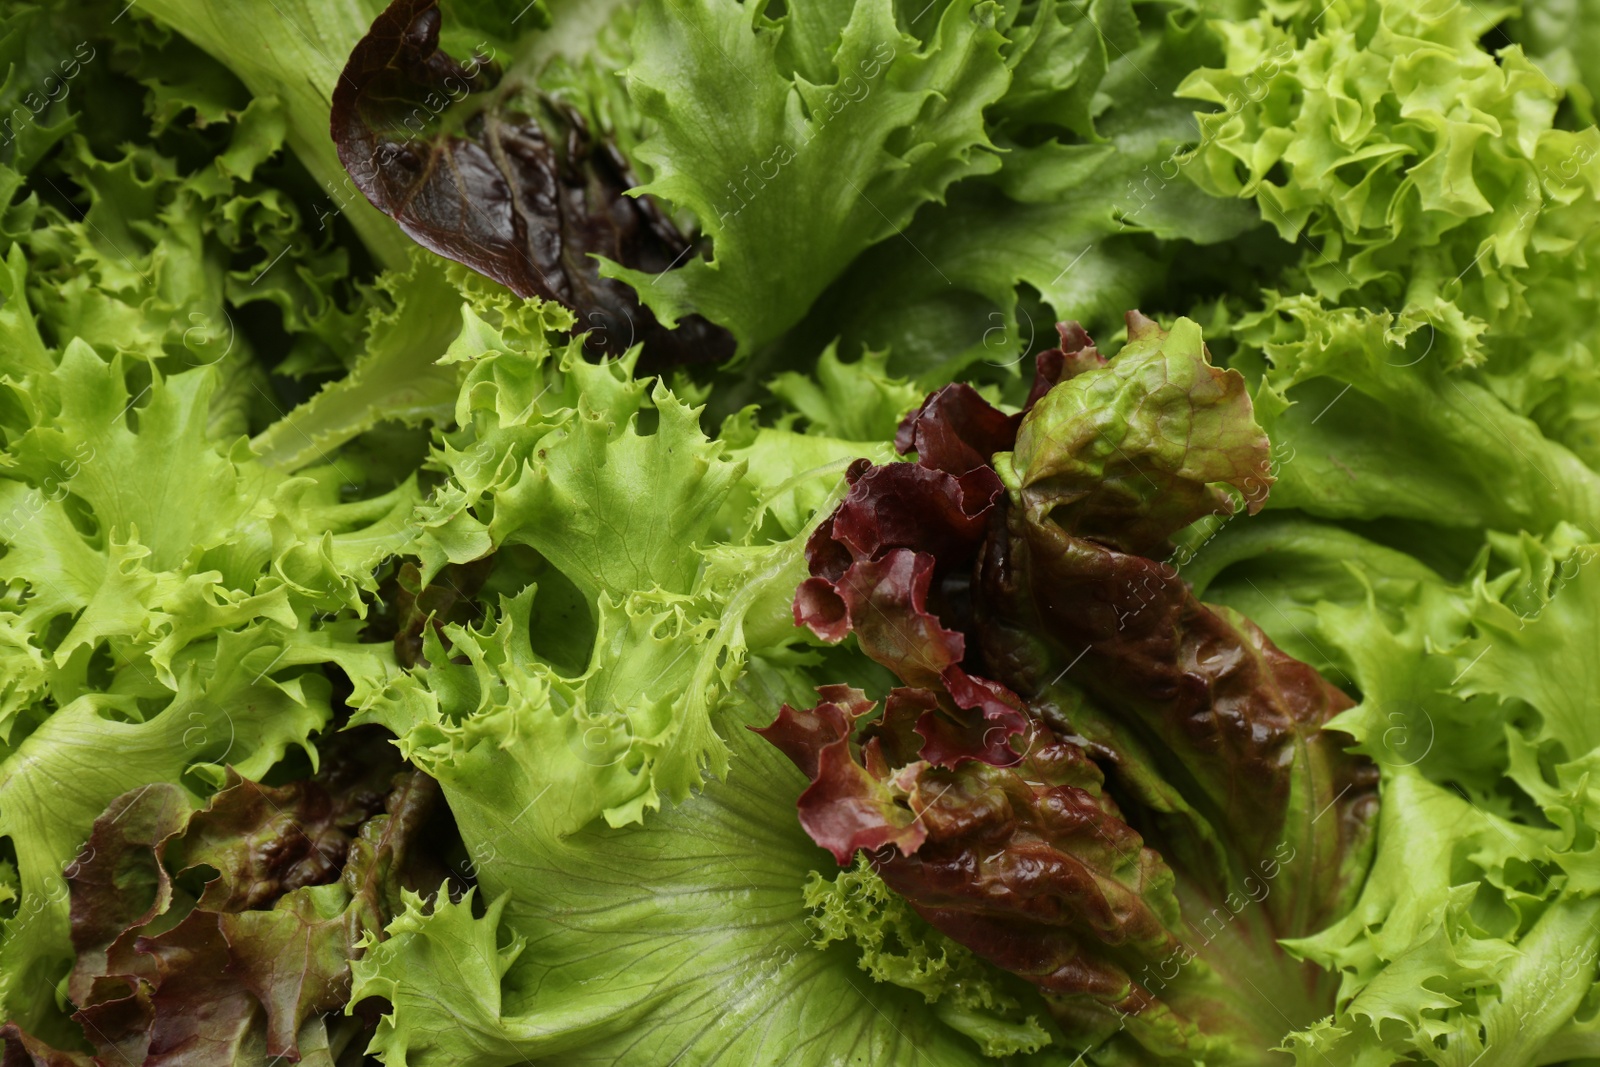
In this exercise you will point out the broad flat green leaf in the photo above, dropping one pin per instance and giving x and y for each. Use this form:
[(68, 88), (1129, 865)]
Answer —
[(680, 941)]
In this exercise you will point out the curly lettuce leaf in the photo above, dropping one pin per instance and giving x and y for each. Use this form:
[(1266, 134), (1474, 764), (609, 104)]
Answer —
[(791, 178), (42, 54), (397, 377), (685, 936), (1055, 232), (898, 947), (1431, 178), (1474, 936), (1425, 171), (172, 599), (552, 455), (621, 498), (294, 50), (857, 401), (1561, 38), (170, 237), (1381, 427)]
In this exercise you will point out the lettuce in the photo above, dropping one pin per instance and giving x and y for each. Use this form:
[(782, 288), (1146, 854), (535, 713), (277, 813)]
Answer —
[(257, 959), (999, 804), (524, 198), (310, 43), (838, 139), (599, 534)]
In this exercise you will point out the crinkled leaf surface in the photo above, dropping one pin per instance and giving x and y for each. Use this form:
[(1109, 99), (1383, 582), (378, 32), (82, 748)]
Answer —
[(682, 938), (791, 178)]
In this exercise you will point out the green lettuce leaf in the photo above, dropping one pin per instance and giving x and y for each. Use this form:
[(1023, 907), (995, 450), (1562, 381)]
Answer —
[(223, 533), (1380, 427), (790, 177), (163, 246), (684, 937), (1561, 39), (397, 377), (1056, 232), (553, 456), (898, 947), (170, 600), (1424, 170), (42, 56), (1424, 175), (309, 43), (857, 401), (1475, 935)]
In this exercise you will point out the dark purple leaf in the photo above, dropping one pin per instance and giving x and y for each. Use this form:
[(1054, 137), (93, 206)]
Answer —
[(20, 1049), (526, 199), (983, 603), (305, 871)]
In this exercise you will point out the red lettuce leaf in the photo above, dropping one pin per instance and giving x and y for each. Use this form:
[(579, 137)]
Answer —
[(200, 1013), (528, 200), (847, 807), (986, 736), (956, 430), (19, 1049), (1237, 719), (122, 883), (304, 872), (1029, 864), (983, 600)]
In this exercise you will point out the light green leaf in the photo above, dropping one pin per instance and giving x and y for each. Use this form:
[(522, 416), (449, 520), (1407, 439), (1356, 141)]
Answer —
[(683, 939), (616, 509), (792, 179), (397, 376), (294, 50)]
